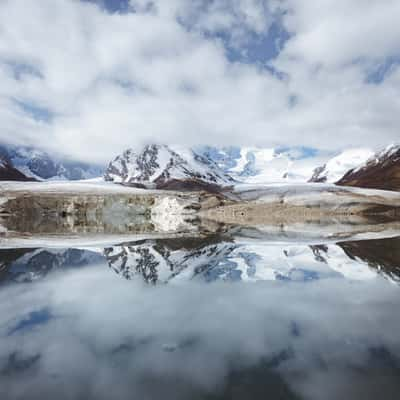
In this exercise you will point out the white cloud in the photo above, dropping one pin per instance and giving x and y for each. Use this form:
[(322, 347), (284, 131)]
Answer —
[(115, 80)]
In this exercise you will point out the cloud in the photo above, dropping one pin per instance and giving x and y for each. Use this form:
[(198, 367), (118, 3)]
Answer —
[(162, 71), (137, 339)]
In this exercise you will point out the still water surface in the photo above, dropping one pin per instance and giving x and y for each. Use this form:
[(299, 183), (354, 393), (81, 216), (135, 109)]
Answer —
[(214, 317)]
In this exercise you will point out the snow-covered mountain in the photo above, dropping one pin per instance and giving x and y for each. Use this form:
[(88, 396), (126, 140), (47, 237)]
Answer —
[(166, 167), (339, 165), (40, 165), (380, 171), (260, 165), (8, 172)]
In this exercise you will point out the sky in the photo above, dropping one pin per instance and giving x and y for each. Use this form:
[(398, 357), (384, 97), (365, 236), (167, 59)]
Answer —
[(90, 78)]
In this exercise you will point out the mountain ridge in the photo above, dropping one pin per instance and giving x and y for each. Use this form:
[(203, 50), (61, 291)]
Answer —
[(381, 171), (167, 167)]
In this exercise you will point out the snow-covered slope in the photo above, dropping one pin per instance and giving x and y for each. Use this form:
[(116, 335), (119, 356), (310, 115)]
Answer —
[(380, 171), (9, 173), (166, 167), (261, 165), (336, 167), (40, 165)]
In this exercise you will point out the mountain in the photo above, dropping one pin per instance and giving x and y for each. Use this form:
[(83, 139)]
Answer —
[(335, 168), (29, 265), (381, 171), (9, 173), (260, 165), (40, 165), (166, 167)]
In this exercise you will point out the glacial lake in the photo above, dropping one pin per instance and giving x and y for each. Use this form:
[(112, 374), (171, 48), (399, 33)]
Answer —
[(218, 316)]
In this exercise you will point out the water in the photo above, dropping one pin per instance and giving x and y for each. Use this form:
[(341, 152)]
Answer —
[(223, 315)]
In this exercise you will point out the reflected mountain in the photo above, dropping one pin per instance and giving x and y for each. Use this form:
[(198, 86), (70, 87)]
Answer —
[(166, 259), (214, 257), (28, 265), (227, 258), (381, 254)]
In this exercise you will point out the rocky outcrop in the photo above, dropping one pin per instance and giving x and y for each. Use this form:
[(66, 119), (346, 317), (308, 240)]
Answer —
[(382, 171)]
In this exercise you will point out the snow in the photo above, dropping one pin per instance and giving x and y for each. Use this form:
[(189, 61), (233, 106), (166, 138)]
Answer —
[(264, 165), (27, 160), (378, 157), (308, 193), (338, 166), (75, 187), (167, 215), (166, 162), (86, 240), (353, 269)]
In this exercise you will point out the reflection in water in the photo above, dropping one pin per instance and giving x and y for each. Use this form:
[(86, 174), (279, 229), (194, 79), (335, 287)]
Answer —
[(214, 257), (224, 258), (313, 321), (27, 265), (383, 254)]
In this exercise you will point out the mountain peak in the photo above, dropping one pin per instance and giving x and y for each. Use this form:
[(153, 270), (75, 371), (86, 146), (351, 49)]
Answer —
[(381, 171), (337, 166), (9, 173), (166, 167)]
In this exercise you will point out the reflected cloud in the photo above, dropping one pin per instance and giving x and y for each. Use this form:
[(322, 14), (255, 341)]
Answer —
[(200, 341), (314, 321)]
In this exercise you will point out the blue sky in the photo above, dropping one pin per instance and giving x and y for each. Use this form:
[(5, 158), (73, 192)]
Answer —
[(110, 74)]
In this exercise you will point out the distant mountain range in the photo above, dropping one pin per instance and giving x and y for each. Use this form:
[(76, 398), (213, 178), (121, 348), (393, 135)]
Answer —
[(259, 165), (211, 168), (172, 168), (27, 163), (9, 173)]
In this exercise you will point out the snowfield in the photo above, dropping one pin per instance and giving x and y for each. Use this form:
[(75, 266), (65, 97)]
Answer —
[(337, 166), (89, 186)]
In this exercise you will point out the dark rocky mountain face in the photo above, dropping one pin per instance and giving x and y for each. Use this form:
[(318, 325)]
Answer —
[(163, 167), (380, 172), (9, 173)]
